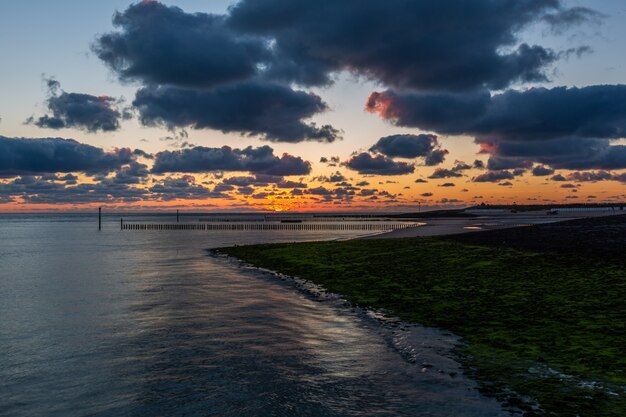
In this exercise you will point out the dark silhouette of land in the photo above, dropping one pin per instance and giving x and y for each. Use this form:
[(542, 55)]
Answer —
[(598, 237)]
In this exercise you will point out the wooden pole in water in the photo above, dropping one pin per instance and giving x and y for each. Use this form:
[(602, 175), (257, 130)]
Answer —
[(121, 223), (99, 218)]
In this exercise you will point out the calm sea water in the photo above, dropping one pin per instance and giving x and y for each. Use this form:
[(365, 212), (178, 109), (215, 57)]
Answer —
[(146, 323)]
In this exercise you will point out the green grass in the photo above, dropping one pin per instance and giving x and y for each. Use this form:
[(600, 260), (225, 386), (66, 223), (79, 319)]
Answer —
[(520, 314)]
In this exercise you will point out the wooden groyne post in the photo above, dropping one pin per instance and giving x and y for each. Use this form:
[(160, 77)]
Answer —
[(121, 223), (381, 226), (99, 218)]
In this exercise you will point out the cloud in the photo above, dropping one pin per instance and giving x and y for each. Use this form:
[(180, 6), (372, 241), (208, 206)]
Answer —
[(40, 190), (133, 173), (542, 171), (20, 156), (197, 72), (566, 153), (272, 111), (436, 157), (183, 188), (591, 176), (494, 176), (566, 18), (500, 163), (37, 190), (478, 164), (80, 111), (364, 163), (450, 201), (534, 114), (333, 161), (259, 160), (460, 166), (570, 128), (445, 173), (336, 177), (157, 44), (417, 50), (442, 112), (406, 146)]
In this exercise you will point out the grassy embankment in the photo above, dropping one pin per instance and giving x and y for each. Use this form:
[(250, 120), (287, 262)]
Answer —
[(536, 325)]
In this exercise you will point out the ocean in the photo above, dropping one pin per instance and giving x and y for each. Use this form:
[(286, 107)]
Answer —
[(149, 323)]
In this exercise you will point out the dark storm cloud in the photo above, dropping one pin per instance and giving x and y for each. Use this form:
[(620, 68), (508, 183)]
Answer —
[(542, 171), (272, 111), (445, 113), (197, 72), (364, 163), (157, 44), (80, 111), (234, 72), (534, 114), (540, 113), (255, 160), (561, 127), (499, 163), (400, 42), (567, 153), (49, 155), (406, 146)]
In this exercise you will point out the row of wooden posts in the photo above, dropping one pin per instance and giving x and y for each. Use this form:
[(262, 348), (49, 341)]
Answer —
[(266, 226), (122, 220), (259, 225)]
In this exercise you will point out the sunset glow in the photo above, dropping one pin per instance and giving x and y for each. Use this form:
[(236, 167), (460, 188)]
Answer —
[(345, 131)]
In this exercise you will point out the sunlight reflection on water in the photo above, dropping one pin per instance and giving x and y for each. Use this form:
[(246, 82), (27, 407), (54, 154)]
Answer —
[(146, 323)]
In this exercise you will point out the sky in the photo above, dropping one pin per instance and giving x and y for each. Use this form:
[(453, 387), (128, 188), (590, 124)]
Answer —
[(298, 105)]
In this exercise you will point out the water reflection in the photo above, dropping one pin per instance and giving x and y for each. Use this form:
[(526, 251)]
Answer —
[(148, 324)]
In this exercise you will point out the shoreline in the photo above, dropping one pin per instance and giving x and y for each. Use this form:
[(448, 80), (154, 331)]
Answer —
[(430, 349), (442, 226), (522, 353)]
